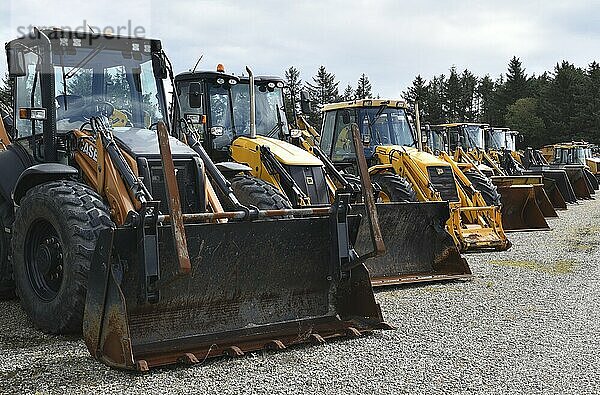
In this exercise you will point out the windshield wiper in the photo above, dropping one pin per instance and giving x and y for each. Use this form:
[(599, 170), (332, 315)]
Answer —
[(370, 123), (278, 125)]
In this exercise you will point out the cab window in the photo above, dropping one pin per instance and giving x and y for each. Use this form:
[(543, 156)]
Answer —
[(343, 148)]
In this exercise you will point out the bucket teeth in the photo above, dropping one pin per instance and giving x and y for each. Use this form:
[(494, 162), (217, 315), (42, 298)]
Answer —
[(188, 359), (234, 351), (142, 366), (352, 332), (315, 338), (275, 345)]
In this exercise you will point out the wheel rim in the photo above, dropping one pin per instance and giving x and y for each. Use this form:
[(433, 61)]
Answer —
[(44, 259)]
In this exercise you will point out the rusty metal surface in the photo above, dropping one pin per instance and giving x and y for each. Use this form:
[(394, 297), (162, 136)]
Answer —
[(419, 249), (543, 201), (556, 180), (243, 293), (520, 210), (578, 180), (173, 199), (370, 209)]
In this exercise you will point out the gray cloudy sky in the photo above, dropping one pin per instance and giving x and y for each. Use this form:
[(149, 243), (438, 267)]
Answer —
[(391, 41)]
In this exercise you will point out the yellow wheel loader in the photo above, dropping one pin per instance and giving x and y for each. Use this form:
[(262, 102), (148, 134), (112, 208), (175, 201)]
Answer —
[(393, 148), (243, 127), (500, 150), (523, 200), (117, 231), (573, 155)]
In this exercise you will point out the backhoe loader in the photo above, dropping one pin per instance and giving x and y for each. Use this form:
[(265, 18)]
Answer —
[(393, 147), (523, 201), (116, 230), (500, 149), (244, 128), (570, 179), (575, 153)]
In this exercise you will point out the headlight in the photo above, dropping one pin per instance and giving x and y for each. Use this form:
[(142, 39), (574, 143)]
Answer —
[(220, 81), (216, 131)]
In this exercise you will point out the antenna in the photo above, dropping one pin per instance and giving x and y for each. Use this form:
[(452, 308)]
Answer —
[(197, 63)]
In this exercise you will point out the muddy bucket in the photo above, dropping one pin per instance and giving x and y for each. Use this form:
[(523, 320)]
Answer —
[(419, 249), (253, 285)]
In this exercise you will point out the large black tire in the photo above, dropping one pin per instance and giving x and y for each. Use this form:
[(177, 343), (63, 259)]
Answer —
[(7, 285), (397, 188), (54, 237), (256, 192), (484, 185)]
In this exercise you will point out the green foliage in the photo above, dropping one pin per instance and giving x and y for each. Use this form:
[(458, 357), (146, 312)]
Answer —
[(348, 93), (294, 85), (323, 90), (363, 88), (523, 116), (555, 106), (6, 91)]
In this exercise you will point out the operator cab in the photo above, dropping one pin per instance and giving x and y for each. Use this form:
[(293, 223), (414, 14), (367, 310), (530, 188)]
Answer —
[(217, 105), (381, 122), (469, 136), (62, 79)]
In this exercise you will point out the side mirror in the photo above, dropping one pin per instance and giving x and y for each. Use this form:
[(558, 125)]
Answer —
[(16, 63), (345, 117), (305, 104), (195, 95), (159, 65)]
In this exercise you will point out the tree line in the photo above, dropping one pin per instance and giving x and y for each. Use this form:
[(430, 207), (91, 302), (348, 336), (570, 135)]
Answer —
[(557, 106)]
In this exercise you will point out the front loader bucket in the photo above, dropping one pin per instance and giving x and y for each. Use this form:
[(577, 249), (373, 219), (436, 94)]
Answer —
[(253, 285), (591, 179), (419, 249), (556, 181), (520, 210), (544, 202), (542, 199), (579, 182)]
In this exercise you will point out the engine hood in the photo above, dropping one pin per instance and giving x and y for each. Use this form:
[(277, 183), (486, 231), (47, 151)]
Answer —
[(423, 158), (286, 153), (143, 142)]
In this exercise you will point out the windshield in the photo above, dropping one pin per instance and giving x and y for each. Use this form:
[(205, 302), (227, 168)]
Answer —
[(270, 114), (91, 82), (579, 155), (435, 141), (391, 127), (496, 139), (473, 136)]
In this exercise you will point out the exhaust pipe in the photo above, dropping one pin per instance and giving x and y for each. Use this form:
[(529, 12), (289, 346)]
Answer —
[(252, 104)]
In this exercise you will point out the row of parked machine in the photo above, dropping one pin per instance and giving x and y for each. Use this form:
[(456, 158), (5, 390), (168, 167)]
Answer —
[(170, 232)]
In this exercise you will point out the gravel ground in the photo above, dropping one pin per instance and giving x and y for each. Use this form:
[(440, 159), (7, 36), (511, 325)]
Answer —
[(528, 322)]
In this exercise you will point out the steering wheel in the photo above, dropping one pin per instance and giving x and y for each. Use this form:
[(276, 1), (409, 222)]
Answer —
[(98, 108)]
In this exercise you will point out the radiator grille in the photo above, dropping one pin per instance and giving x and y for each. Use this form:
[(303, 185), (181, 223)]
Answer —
[(443, 181), (186, 182)]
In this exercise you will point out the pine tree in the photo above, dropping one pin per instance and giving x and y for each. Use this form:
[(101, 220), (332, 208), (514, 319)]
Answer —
[(348, 93), (560, 102), (6, 91), (292, 93), (323, 90), (485, 94), (453, 97), (516, 85), (363, 88), (417, 92), (468, 86), (434, 106)]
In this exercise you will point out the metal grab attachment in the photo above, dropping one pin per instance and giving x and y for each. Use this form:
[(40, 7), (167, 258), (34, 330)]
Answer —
[(369, 200), (174, 201)]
